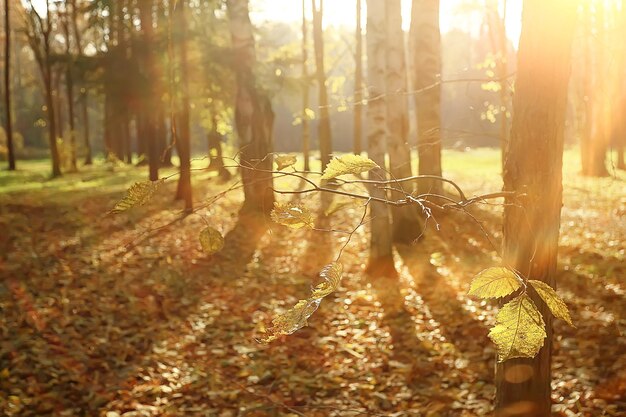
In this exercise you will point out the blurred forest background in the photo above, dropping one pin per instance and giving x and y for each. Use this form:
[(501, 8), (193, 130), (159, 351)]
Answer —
[(175, 181)]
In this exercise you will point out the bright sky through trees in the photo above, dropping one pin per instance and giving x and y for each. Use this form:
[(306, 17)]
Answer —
[(462, 14)]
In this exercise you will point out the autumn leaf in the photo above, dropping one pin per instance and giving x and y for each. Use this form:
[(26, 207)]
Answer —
[(211, 240), (137, 195), (285, 161), (555, 303), (296, 317), (331, 274), (290, 321), (292, 215), (348, 164), (494, 282), (520, 330)]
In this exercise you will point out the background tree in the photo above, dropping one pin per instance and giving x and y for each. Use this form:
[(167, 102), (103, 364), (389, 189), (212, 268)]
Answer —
[(183, 137), (7, 84), (426, 47), (406, 222), (39, 30), (381, 259), (533, 169), (324, 132), (306, 128), (253, 114), (358, 82), (150, 73)]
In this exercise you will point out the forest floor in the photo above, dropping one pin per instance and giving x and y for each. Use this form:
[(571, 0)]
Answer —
[(122, 315)]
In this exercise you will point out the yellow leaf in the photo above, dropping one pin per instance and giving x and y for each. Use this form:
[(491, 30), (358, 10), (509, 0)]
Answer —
[(293, 319), (331, 274), (292, 215), (494, 283), (555, 303), (348, 164), (520, 330), (285, 161), (137, 195), (211, 240), (296, 317)]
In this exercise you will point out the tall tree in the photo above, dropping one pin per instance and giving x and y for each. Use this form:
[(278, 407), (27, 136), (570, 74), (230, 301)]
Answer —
[(306, 128), (150, 74), (39, 33), (358, 82), (84, 100), (598, 142), (183, 139), (69, 82), (406, 221), (7, 84), (499, 46), (381, 258), (533, 169), (254, 117), (324, 132), (426, 46)]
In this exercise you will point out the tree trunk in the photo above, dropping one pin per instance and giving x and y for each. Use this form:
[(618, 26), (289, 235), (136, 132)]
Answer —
[(406, 222), (183, 141), (69, 85), (254, 117), (599, 143), (427, 72), (7, 85), (381, 258), (84, 92), (324, 133), (149, 106), (215, 151), (533, 169), (358, 83), (87, 139), (588, 75), (306, 129)]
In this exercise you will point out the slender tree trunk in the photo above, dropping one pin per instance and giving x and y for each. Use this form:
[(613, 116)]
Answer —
[(588, 75), (534, 170), (7, 84), (84, 92), (324, 132), (427, 72), (306, 128), (215, 150), (86, 137), (600, 124), (69, 85), (149, 105), (406, 222), (381, 259), (497, 34), (254, 117), (358, 82), (183, 141)]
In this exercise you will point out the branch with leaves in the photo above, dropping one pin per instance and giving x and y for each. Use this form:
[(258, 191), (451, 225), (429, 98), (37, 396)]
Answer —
[(520, 329)]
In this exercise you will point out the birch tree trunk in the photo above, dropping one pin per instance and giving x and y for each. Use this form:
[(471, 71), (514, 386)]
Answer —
[(381, 258), (253, 114), (533, 169), (406, 222), (426, 45)]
